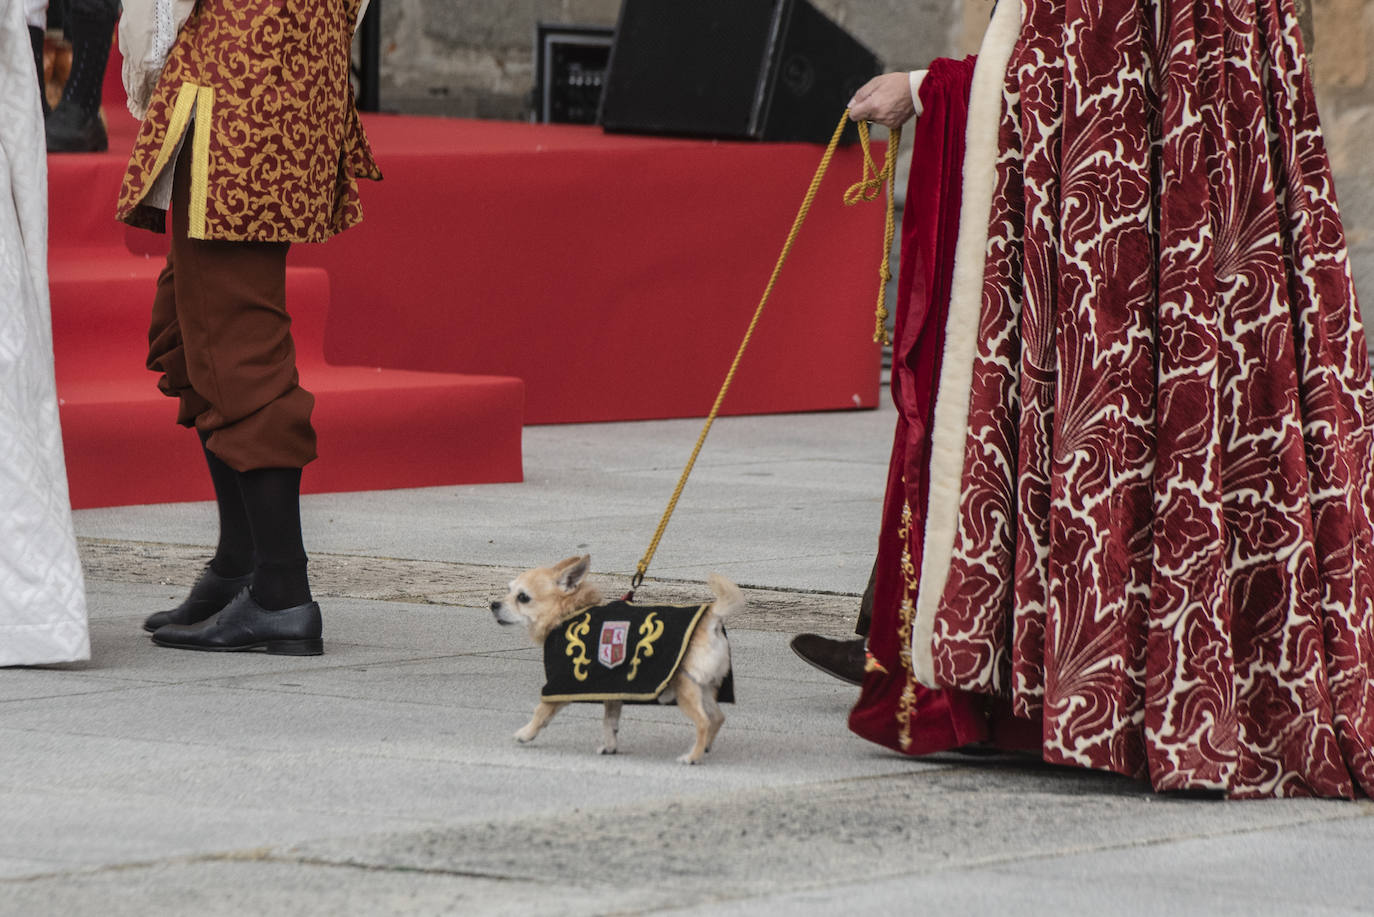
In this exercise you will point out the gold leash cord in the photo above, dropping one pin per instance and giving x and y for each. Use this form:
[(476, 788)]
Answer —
[(867, 189)]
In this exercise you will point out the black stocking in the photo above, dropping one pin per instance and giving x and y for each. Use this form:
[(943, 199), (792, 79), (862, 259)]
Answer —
[(272, 497), (89, 25), (234, 554)]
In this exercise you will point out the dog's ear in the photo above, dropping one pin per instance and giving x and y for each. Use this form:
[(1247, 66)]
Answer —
[(572, 571)]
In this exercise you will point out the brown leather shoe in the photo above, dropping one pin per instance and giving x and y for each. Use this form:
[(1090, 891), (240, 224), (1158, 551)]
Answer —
[(842, 659)]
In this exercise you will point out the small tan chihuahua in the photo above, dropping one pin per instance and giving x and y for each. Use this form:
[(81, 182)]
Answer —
[(546, 598)]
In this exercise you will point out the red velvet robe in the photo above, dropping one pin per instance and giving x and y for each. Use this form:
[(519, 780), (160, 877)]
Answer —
[(893, 709)]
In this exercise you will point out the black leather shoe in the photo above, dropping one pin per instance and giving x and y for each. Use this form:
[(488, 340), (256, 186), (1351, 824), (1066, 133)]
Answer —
[(243, 624), (210, 593), (71, 130), (842, 659)]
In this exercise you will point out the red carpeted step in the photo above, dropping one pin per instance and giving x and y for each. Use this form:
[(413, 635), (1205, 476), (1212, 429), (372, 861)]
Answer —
[(378, 429), (82, 190), (101, 300), (83, 187)]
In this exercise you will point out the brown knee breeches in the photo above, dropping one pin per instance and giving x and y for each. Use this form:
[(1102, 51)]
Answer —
[(221, 338)]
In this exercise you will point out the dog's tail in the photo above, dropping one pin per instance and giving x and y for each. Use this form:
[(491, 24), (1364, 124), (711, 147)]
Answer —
[(729, 598)]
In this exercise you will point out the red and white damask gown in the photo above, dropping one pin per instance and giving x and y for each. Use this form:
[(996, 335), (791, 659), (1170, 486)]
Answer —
[(1146, 539)]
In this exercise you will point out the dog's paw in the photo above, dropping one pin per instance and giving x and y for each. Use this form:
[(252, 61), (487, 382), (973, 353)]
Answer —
[(524, 736), (606, 750), (687, 759)]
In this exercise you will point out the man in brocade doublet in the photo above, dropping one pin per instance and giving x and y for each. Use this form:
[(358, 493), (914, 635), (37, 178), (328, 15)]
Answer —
[(252, 142), (275, 143)]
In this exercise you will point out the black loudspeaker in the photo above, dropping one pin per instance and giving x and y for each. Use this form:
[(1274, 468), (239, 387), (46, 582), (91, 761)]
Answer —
[(750, 69)]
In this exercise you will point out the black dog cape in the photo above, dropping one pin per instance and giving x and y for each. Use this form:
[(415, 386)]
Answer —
[(621, 651)]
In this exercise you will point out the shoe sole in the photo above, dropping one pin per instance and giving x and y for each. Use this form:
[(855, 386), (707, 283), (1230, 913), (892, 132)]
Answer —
[(153, 630), (271, 647)]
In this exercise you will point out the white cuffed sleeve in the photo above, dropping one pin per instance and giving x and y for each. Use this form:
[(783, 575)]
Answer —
[(917, 77)]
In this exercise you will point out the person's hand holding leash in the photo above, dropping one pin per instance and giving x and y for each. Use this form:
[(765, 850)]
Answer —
[(884, 100)]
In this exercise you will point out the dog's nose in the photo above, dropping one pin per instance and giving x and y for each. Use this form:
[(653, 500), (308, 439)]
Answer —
[(495, 607)]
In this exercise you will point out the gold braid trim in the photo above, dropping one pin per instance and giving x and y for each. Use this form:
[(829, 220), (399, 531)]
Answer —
[(200, 163), (906, 708)]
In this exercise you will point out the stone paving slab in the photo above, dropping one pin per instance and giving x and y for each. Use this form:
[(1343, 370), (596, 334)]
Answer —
[(958, 839), (147, 759), (232, 886), (355, 785)]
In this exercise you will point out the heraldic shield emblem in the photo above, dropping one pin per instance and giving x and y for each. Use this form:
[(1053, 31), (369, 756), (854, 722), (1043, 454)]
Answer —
[(610, 650)]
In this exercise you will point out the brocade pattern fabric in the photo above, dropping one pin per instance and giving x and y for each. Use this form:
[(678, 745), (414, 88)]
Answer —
[(1163, 542), (277, 143)]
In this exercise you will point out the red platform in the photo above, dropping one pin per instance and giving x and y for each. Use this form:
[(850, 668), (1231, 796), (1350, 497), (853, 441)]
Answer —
[(614, 275), (377, 428)]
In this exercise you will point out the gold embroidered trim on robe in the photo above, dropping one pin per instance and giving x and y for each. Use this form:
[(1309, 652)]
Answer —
[(906, 707)]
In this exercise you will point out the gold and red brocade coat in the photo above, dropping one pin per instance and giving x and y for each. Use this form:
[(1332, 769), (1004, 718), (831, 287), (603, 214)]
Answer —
[(275, 143)]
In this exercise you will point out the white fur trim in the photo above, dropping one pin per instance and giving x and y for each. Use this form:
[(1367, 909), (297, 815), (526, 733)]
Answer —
[(949, 431)]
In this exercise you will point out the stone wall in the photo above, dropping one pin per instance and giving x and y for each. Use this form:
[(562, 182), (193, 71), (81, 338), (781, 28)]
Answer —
[(474, 58)]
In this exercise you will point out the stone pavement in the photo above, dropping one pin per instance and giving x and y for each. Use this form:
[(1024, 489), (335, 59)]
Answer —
[(381, 778)]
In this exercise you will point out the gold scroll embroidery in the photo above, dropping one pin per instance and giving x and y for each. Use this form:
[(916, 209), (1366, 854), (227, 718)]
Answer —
[(649, 632), (576, 647)]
